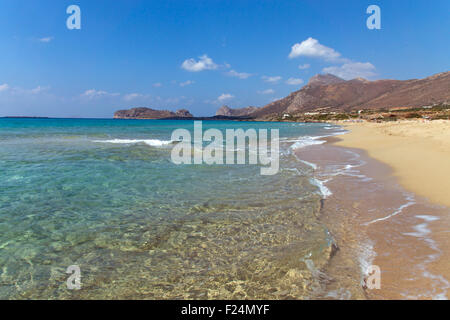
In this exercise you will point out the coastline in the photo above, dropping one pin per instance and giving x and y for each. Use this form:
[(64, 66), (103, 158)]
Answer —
[(377, 214), (334, 212), (418, 152)]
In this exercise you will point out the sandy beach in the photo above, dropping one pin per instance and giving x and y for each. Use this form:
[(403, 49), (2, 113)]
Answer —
[(388, 206), (418, 152), (411, 243)]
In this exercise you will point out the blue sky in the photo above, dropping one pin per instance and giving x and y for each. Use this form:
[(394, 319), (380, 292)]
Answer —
[(200, 55)]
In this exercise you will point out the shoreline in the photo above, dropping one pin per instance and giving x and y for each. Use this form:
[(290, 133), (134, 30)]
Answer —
[(417, 151), (409, 241), (376, 221)]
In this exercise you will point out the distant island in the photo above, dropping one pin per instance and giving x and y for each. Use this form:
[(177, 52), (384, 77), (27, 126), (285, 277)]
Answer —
[(147, 113), (182, 114), (327, 98), (24, 117)]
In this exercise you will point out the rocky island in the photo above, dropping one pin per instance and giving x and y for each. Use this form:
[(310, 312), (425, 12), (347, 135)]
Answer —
[(147, 113)]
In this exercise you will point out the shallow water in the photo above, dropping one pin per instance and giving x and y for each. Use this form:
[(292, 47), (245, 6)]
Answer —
[(104, 195)]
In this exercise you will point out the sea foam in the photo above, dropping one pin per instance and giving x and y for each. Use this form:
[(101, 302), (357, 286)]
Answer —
[(306, 141), (324, 191), (150, 142)]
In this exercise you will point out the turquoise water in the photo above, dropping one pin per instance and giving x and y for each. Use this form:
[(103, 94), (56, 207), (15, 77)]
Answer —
[(141, 227)]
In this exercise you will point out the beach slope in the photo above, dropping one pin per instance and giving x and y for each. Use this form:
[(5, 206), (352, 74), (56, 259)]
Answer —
[(418, 152)]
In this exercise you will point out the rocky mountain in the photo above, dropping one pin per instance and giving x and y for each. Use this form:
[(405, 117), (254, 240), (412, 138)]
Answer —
[(229, 112), (330, 93), (325, 79), (147, 113)]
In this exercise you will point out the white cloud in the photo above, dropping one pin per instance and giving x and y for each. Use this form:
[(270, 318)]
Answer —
[(240, 75), (132, 96), (268, 91), (157, 85), (274, 79), (205, 63), (294, 81), (348, 70), (186, 83), (38, 89), (352, 70), (46, 39), (304, 66), (22, 91), (93, 93), (312, 48), (4, 87), (225, 96)]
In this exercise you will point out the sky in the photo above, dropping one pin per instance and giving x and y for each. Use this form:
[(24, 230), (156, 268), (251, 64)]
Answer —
[(200, 55)]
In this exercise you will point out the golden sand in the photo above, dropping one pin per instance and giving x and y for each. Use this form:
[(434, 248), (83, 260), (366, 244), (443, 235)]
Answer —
[(418, 151)]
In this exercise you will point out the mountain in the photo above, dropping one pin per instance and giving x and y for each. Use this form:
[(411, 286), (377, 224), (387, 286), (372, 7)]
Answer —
[(325, 79), (229, 112), (333, 94), (147, 113)]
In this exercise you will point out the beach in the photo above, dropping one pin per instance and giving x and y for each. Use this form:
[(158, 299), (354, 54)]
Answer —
[(393, 206), (103, 194), (418, 151)]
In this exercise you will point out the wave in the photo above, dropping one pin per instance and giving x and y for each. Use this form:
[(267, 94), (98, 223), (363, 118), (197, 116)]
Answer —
[(306, 141), (150, 142), (324, 191), (312, 165), (440, 283), (410, 201), (366, 257)]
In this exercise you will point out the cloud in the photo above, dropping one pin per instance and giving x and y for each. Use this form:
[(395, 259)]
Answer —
[(352, 70), (304, 66), (38, 89), (205, 63), (157, 85), (93, 93), (274, 79), (4, 87), (312, 48), (225, 96), (186, 83), (348, 70), (22, 91), (46, 39), (294, 81), (132, 96), (240, 75), (268, 91)]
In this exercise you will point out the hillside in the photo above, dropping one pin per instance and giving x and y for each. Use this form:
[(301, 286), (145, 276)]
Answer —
[(229, 112), (328, 93)]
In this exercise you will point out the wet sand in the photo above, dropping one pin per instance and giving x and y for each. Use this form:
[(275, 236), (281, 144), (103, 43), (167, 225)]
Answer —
[(376, 221)]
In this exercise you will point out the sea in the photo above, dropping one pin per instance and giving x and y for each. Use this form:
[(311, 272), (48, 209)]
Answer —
[(102, 197)]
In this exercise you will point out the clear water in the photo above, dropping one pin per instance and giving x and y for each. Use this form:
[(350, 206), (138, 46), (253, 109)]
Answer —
[(141, 227)]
